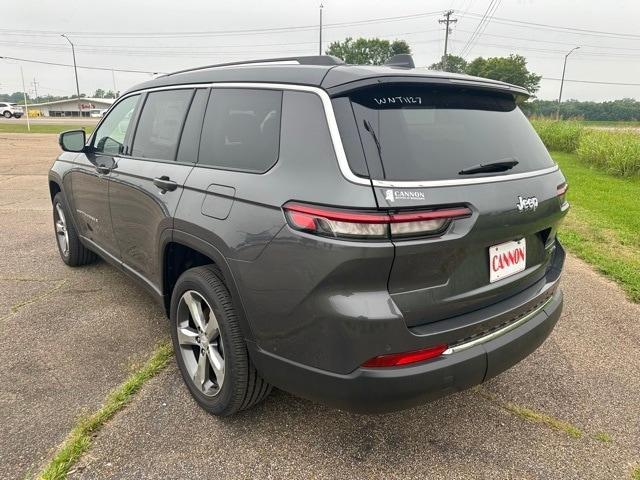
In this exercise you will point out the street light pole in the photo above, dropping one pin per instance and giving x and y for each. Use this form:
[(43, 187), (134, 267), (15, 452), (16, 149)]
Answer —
[(564, 68), (26, 104), (75, 69), (320, 39)]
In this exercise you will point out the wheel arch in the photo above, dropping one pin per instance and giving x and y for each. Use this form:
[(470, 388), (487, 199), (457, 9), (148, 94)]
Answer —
[(182, 251), (54, 187)]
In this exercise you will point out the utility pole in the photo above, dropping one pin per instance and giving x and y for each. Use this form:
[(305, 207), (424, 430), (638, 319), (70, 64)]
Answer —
[(447, 20), (26, 105), (564, 68), (320, 39), (75, 69), (35, 88)]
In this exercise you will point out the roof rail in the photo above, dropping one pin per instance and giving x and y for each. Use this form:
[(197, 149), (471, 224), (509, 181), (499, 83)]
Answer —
[(306, 60), (402, 60)]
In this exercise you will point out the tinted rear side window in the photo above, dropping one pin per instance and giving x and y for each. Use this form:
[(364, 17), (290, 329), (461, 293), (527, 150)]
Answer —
[(241, 129), (432, 133), (188, 150), (160, 124)]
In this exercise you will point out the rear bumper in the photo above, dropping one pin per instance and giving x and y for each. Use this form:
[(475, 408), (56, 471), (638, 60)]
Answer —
[(380, 390)]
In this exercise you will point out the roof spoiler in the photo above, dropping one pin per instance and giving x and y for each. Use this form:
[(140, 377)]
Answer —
[(403, 60)]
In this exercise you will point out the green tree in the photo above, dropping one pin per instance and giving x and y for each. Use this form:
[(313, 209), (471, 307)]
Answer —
[(454, 64), (99, 93), (367, 51), (625, 109), (511, 69), (110, 94), (15, 97)]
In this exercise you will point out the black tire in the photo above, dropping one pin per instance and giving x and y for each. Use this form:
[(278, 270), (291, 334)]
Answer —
[(7, 114), (242, 386), (76, 254), (17, 116)]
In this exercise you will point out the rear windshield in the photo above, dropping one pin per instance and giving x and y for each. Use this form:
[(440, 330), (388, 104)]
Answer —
[(433, 133)]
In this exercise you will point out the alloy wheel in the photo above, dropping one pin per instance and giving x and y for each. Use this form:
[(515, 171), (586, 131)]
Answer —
[(62, 234), (200, 343)]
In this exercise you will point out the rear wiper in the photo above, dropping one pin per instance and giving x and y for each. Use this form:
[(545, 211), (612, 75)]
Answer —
[(369, 129), (499, 166)]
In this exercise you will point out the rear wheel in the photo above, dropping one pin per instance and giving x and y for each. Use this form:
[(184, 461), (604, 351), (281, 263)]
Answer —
[(72, 252), (210, 350)]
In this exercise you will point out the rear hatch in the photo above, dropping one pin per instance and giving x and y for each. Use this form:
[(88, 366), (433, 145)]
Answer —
[(430, 146)]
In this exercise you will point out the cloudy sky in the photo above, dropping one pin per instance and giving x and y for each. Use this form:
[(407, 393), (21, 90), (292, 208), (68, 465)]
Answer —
[(164, 35)]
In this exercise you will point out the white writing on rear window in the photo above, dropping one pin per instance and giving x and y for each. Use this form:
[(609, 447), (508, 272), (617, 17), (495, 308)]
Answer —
[(399, 100)]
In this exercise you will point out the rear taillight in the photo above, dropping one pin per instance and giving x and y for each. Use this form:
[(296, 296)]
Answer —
[(562, 189), (406, 358), (561, 192), (338, 223)]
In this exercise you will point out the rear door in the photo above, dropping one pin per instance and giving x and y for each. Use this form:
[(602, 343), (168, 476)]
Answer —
[(228, 195), (147, 183), (424, 147)]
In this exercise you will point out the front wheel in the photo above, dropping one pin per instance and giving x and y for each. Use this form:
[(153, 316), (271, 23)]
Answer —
[(72, 252), (7, 114), (210, 349)]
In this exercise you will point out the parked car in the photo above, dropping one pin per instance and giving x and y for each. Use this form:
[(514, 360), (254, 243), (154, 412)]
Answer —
[(8, 110), (97, 112), (368, 237)]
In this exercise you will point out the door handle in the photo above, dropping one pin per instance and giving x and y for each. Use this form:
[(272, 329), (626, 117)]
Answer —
[(165, 184), (102, 169)]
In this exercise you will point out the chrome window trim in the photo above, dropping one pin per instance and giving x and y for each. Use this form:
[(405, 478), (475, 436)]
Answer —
[(338, 148), (463, 181), (497, 333)]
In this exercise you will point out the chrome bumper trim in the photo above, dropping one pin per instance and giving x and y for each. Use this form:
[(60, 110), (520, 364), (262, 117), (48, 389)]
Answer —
[(496, 333)]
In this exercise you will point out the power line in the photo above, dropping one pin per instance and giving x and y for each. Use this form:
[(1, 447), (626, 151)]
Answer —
[(593, 82), (480, 28), (212, 33), (515, 48), (545, 26), (56, 46), (79, 66), (549, 41)]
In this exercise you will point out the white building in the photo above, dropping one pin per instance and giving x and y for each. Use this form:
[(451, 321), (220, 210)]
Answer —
[(71, 107)]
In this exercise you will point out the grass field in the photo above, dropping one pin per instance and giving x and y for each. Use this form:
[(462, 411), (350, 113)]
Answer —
[(610, 123), (603, 225), (43, 128)]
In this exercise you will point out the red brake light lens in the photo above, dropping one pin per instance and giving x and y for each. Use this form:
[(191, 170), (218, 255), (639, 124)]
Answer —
[(399, 359), (339, 223)]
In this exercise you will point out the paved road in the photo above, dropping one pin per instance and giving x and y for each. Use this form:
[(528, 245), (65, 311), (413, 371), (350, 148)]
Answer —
[(69, 335)]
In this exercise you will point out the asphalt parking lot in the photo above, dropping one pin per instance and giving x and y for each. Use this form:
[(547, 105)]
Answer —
[(68, 336)]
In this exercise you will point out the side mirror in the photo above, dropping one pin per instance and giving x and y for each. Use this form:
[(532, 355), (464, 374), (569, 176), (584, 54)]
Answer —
[(72, 141)]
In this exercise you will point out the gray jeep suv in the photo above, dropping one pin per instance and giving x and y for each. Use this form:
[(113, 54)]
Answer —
[(367, 237)]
